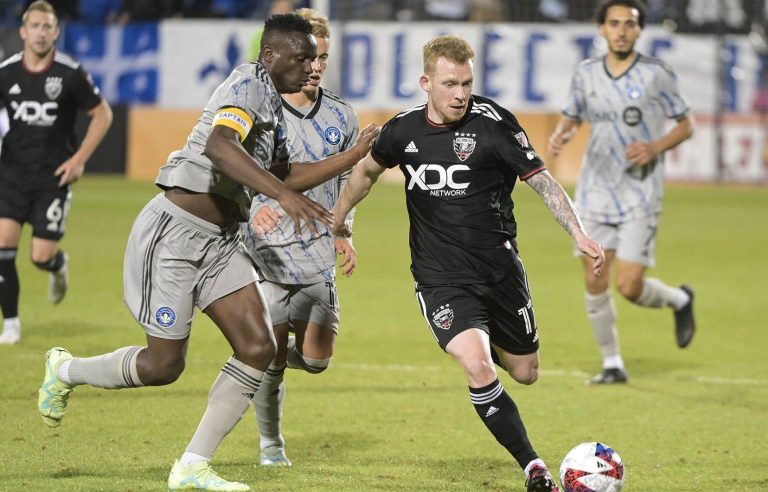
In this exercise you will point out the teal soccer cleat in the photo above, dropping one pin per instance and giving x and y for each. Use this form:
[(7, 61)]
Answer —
[(54, 393)]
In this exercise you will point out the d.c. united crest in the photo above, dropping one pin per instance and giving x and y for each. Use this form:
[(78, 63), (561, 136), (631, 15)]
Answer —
[(53, 86), (464, 145), (443, 317)]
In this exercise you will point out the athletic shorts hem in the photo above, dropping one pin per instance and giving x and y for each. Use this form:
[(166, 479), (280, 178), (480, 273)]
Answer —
[(226, 292)]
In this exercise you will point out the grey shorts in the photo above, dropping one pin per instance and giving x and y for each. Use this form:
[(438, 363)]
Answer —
[(318, 303), (175, 261), (633, 240)]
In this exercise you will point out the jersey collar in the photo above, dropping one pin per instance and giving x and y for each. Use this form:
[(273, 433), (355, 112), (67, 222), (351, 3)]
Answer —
[(453, 124), (45, 69), (608, 73), (312, 112)]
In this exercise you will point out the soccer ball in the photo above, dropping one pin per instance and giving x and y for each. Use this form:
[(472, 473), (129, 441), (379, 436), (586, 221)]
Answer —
[(592, 467)]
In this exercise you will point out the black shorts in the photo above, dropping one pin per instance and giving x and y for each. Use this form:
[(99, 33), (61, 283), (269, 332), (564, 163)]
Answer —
[(45, 209), (503, 310)]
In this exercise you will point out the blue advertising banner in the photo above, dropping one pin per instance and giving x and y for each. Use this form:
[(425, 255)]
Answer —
[(123, 60)]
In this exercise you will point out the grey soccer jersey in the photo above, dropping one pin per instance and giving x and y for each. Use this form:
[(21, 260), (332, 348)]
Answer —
[(629, 108), (248, 103), (329, 127)]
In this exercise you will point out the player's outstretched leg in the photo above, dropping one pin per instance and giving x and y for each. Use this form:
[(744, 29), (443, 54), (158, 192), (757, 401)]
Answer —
[(54, 393), (200, 476), (685, 323), (58, 281)]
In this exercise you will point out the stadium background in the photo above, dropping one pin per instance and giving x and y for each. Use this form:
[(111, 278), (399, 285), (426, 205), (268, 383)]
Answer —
[(392, 413), (159, 73)]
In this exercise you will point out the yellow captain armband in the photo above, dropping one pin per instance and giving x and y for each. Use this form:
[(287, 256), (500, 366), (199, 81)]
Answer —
[(234, 118)]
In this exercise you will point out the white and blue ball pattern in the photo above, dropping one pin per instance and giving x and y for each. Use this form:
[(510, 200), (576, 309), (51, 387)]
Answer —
[(592, 467)]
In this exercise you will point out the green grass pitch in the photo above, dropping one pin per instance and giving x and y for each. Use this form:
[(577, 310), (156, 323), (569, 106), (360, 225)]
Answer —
[(392, 412)]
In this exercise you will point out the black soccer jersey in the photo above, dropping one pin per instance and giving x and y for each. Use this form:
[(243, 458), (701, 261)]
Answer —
[(42, 108), (458, 181)]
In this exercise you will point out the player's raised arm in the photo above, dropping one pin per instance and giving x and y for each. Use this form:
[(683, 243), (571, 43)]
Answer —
[(359, 184), (224, 150), (561, 206), (304, 176)]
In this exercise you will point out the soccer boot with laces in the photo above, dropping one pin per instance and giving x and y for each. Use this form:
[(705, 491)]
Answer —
[(58, 282), (685, 323), (613, 375), (274, 456), (54, 394), (200, 476), (540, 480)]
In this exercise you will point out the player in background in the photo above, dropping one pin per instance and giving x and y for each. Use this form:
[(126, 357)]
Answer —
[(298, 271), (42, 90), (461, 155), (184, 249), (626, 97)]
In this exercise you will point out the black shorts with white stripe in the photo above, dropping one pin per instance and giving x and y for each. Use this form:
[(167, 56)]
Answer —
[(503, 310)]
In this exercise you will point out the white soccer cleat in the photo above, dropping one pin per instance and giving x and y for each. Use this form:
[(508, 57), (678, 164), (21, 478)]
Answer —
[(58, 282), (274, 457), (200, 476), (11, 332)]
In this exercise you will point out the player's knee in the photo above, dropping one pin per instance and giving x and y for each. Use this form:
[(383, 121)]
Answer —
[(479, 370), (163, 372), (258, 352), (630, 288), (527, 376)]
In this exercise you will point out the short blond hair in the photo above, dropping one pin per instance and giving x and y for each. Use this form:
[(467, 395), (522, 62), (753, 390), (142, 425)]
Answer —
[(451, 47), (320, 26), (39, 6)]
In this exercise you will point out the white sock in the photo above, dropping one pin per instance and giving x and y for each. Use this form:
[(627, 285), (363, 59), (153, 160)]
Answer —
[(189, 458), (658, 294), (537, 461), (229, 398), (613, 362), (268, 404), (601, 312), (13, 324), (63, 372)]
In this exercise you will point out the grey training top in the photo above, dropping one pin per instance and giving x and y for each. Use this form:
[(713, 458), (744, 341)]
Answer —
[(632, 107)]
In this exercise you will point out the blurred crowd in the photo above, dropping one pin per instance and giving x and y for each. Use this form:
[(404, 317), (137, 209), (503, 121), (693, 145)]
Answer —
[(122, 11), (737, 16)]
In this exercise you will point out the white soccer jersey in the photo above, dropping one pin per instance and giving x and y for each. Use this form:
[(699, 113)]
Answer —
[(249, 103), (629, 108), (329, 127)]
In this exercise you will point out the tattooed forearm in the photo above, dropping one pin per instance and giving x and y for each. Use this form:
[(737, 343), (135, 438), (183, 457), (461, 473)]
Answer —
[(557, 201)]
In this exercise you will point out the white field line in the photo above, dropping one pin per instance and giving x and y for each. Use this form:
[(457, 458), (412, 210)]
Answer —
[(544, 372)]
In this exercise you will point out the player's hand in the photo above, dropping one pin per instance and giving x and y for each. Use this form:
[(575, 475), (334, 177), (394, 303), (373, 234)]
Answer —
[(345, 249), (591, 249), (70, 171), (365, 139), (558, 140), (641, 153), (301, 209), (265, 220)]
